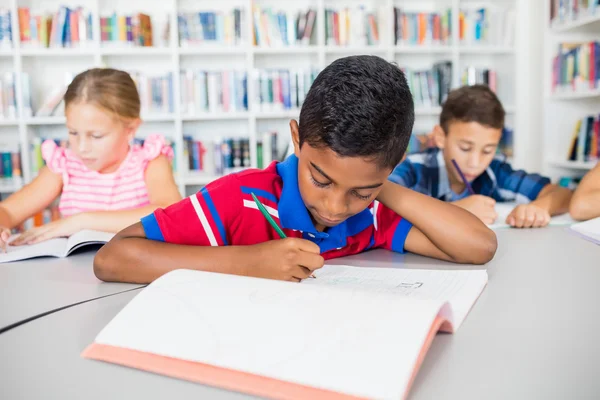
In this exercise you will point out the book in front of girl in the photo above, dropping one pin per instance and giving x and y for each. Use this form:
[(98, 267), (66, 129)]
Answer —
[(352, 332)]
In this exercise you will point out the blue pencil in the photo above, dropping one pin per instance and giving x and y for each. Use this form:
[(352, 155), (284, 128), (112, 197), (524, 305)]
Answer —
[(462, 176)]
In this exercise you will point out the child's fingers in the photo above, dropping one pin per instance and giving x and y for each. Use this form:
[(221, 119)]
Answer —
[(310, 261), (307, 246)]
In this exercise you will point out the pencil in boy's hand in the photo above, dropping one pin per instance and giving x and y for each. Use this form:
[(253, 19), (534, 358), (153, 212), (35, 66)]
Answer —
[(462, 176), (270, 220)]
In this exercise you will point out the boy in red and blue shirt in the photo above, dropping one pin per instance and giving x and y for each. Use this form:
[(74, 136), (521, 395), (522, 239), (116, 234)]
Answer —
[(332, 197)]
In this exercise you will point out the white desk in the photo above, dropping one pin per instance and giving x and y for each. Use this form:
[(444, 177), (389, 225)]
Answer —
[(533, 334), (33, 287)]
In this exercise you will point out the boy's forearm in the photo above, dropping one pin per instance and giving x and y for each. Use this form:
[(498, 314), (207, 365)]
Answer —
[(453, 230), (554, 199), (141, 260)]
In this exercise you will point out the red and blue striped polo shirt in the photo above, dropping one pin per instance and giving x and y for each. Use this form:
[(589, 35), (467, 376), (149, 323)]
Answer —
[(224, 213)]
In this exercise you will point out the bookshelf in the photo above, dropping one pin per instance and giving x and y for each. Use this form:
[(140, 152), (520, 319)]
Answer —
[(47, 65), (564, 105)]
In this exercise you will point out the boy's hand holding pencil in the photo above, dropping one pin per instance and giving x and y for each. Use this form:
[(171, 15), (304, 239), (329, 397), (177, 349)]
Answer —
[(299, 257), (289, 259)]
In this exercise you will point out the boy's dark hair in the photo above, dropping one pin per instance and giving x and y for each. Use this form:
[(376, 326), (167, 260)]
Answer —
[(475, 103), (359, 106)]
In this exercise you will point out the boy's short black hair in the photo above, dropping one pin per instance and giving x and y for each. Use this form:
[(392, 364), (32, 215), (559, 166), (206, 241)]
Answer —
[(359, 106), (477, 103)]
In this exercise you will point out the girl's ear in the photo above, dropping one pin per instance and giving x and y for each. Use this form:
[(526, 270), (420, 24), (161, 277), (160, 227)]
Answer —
[(131, 128), (439, 137)]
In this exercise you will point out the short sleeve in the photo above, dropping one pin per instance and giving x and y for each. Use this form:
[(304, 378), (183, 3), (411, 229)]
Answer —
[(207, 218), (154, 146), (516, 184), (391, 229), (404, 174), (54, 156)]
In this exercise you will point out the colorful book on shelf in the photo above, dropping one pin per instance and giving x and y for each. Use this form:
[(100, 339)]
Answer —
[(585, 140), (374, 323), (474, 76), (356, 26), (156, 92), (127, 30), (280, 89), (68, 27), (217, 156), (562, 11), (430, 88), (422, 28), (281, 28), (486, 26), (576, 67), (213, 91), (5, 29), (211, 27)]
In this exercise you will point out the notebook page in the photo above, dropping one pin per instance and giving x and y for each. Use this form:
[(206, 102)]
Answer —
[(53, 247), (504, 210), (324, 337), (88, 236), (589, 229), (459, 288)]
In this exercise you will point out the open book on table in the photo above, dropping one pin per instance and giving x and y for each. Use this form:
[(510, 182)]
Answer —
[(57, 247), (504, 210), (355, 332), (589, 230)]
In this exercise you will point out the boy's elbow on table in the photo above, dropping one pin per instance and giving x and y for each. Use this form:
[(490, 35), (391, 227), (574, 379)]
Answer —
[(481, 249), (106, 261)]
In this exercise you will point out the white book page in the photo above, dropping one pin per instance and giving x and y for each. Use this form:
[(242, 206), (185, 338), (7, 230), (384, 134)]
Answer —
[(504, 209), (590, 229), (54, 248), (354, 342), (87, 236), (459, 288)]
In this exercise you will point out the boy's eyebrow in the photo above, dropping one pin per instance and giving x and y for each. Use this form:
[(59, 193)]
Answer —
[(319, 170)]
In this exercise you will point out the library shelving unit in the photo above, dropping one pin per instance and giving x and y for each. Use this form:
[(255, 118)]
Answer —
[(46, 66), (564, 106)]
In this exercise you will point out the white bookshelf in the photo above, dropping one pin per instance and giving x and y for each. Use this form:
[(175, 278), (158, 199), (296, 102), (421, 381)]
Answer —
[(47, 65), (563, 107)]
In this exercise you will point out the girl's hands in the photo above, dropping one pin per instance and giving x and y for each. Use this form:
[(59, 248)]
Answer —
[(61, 228)]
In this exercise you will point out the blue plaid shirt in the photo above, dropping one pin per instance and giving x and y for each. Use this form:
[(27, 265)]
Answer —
[(426, 173)]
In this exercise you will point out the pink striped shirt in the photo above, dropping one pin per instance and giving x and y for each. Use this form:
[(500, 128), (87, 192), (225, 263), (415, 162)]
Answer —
[(87, 190)]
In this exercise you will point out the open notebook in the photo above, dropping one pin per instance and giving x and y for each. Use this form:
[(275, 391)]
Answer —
[(504, 209), (351, 332), (589, 230), (58, 247)]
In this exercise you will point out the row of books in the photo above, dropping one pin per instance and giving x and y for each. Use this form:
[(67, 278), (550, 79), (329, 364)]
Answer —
[(430, 87), (128, 30), (283, 28), (474, 76), (282, 89), (576, 67), (569, 10), (223, 28), (213, 91), (223, 156), (421, 141), (357, 26), (10, 164), (489, 26), (156, 92), (585, 141), (420, 28), (68, 27), (8, 99), (5, 29)]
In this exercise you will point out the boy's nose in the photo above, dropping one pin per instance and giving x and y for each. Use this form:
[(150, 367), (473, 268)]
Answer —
[(335, 206)]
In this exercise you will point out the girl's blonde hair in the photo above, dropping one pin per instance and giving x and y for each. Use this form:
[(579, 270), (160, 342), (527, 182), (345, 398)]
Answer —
[(107, 88)]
